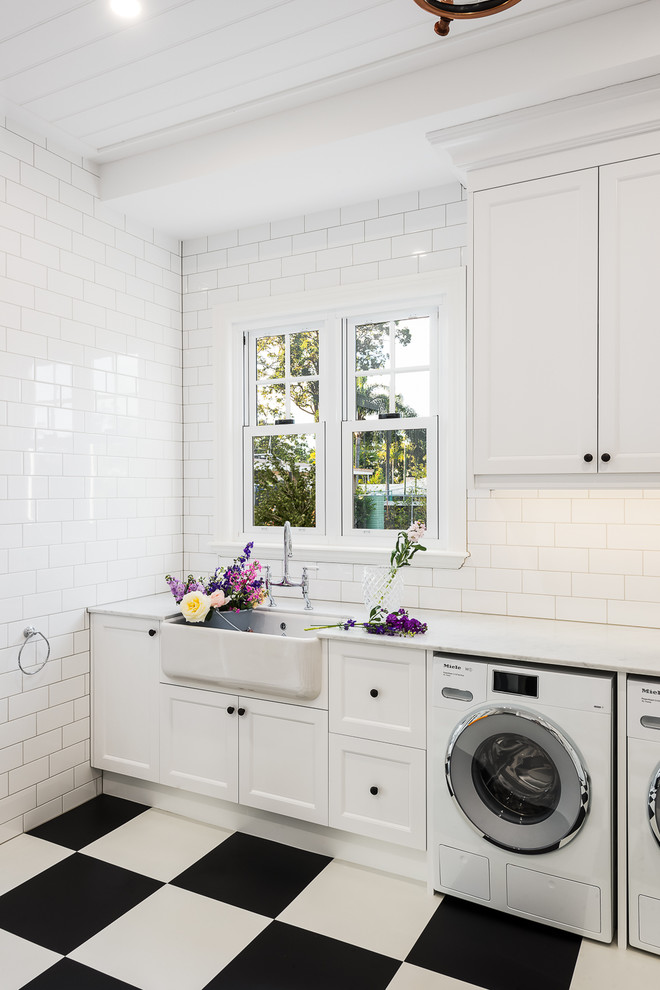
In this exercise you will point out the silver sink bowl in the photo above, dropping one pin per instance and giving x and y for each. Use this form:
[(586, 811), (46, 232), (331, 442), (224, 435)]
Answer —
[(284, 662)]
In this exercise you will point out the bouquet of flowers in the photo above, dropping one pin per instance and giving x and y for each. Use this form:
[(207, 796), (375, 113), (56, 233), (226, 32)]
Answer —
[(229, 589)]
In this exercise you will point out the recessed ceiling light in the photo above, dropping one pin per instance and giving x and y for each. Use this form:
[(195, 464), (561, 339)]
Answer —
[(126, 8)]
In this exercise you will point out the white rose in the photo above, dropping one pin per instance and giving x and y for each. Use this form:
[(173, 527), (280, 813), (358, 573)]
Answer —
[(195, 606)]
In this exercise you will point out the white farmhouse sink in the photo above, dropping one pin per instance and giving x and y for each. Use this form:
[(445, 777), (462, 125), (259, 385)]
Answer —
[(268, 660)]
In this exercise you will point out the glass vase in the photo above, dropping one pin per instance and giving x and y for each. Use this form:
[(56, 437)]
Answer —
[(382, 587)]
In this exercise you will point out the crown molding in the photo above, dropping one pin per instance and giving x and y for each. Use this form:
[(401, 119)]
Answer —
[(586, 123)]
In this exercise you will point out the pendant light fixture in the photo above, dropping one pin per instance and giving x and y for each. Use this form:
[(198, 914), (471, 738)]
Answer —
[(449, 11)]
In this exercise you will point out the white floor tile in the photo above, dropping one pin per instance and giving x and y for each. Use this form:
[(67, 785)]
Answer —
[(22, 961), (607, 967), (373, 910), (24, 856), (413, 978), (173, 940), (157, 844)]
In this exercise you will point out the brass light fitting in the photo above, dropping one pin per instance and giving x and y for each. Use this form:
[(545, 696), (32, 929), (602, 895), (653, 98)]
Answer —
[(450, 11)]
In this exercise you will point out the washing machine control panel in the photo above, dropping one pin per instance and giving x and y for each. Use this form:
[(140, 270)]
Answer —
[(458, 681), (644, 709)]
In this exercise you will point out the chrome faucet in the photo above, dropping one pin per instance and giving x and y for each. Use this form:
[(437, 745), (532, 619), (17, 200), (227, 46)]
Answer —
[(286, 581)]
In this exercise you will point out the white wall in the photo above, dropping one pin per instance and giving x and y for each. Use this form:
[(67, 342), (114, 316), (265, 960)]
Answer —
[(401, 235), (90, 462), (592, 556), (90, 440)]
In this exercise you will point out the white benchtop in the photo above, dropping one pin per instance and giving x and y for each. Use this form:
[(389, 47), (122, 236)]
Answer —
[(631, 649), (151, 607)]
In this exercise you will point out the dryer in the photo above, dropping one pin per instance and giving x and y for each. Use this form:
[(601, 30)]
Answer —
[(522, 790), (644, 813)]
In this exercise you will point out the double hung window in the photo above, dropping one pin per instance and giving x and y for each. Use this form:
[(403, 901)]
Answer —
[(349, 417)]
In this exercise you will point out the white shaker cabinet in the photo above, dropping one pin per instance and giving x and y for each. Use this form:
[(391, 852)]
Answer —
[(535, 260), (199, 741), (630, 316), (566, 327), (377, 710), (125, 675), (263, 754)]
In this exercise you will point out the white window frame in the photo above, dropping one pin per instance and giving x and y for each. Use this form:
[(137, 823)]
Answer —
[(263, 533), (428, 423), (354, 321), (250, 371), (443, 289)]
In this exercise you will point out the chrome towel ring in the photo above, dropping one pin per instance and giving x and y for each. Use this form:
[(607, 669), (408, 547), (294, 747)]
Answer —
[(31, 632)]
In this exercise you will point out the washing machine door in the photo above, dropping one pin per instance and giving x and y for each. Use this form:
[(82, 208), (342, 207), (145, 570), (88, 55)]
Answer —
[(517, 779), (654, 804)]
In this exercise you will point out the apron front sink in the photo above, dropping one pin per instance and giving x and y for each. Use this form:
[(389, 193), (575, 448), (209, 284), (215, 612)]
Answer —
[(267, 660)]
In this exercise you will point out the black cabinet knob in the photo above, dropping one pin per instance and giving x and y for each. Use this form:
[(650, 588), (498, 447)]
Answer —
[(605, 457), (152, 632), (230, 709), (374, 692), (241, 712), (588, 458), (373, 790)]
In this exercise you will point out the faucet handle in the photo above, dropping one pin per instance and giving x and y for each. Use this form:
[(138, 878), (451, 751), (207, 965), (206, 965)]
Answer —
[(304, 585), (271, 600)]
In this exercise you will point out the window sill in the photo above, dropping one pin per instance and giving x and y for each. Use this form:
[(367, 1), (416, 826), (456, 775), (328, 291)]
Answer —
[(450, 559)]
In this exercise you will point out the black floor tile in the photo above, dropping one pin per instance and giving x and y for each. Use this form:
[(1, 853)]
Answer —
[(286, 958), (68, 903), (70, 975), (495, 950), (82, 825), (255, 874)]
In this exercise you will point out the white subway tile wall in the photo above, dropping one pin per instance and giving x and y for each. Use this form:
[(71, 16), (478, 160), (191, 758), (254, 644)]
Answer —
[(97, 394), (590, 556), (358, 243), (90, 469)]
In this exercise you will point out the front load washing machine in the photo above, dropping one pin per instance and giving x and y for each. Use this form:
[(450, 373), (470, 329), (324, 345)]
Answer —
[(522, 782), (644, 813)]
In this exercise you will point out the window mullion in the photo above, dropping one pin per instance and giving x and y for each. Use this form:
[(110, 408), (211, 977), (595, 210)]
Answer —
[(287, 375)]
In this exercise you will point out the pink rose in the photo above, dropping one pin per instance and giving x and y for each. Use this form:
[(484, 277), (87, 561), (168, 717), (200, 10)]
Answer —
[(217, 599)]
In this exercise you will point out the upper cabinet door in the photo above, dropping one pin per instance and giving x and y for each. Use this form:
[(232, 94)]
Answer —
[(630, 316), (535, 259)]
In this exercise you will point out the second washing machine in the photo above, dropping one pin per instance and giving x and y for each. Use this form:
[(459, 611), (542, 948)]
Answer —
[(644, 813), (522, 790)]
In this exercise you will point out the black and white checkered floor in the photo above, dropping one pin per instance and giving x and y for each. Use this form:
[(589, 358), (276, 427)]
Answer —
[(114, 896)]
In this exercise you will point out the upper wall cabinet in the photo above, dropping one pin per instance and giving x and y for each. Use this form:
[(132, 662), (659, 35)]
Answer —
[(629, 315), (565, 327)]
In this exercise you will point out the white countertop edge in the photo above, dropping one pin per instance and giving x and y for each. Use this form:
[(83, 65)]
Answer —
[(595, 646)]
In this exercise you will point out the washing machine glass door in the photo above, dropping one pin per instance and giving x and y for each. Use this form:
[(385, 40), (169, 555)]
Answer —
[(654, 804), (517, 779)]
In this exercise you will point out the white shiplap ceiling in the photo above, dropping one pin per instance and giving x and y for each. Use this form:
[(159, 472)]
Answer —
[(209, 114)]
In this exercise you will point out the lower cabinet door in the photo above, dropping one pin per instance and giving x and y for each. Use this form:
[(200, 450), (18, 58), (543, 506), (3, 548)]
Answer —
[(125, 673), (199, 741), (283, 763), (378, 789)]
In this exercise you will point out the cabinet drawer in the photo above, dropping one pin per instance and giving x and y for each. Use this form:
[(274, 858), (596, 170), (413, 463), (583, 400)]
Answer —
[(378, 790), (378, 692)]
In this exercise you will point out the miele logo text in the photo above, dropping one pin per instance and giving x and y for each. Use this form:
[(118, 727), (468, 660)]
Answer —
[(650, 691), (452, 666)]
